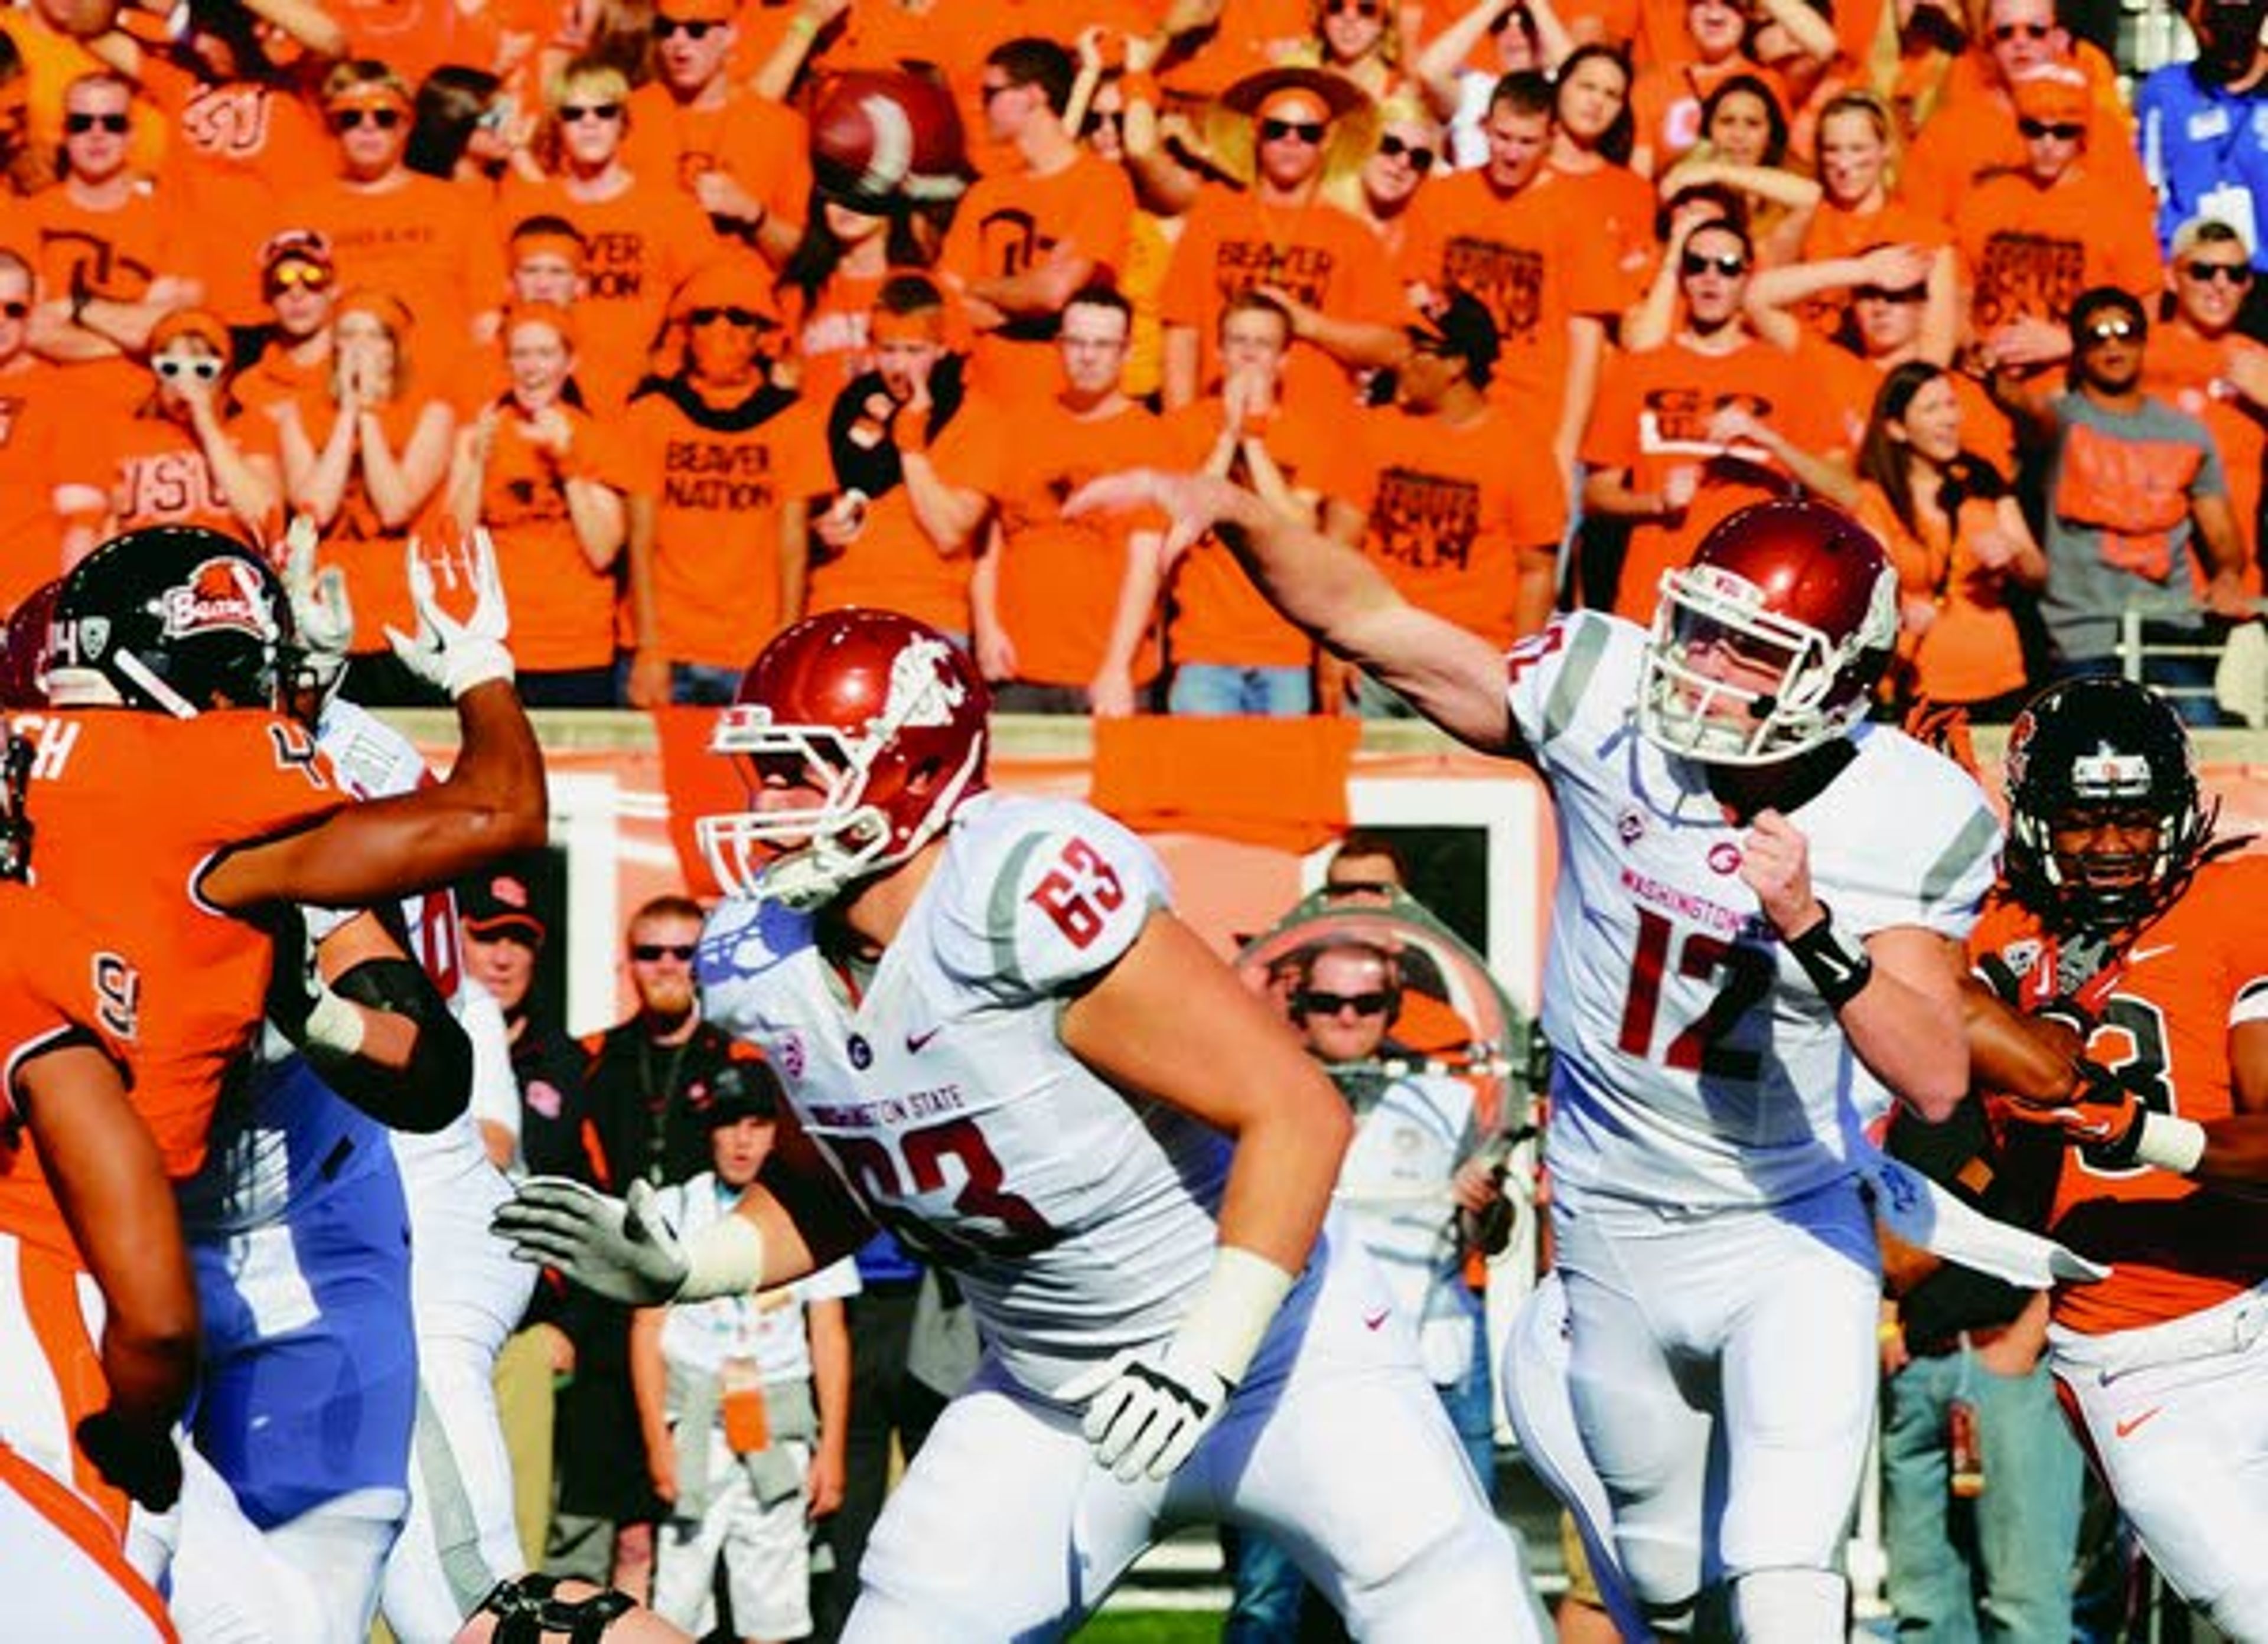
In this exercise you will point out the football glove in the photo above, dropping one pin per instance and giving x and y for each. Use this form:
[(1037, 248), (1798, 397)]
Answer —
[(618, 1247), (2102, 1116), (1147, 1408), (445, 652), (133, 1456), (321, 611)]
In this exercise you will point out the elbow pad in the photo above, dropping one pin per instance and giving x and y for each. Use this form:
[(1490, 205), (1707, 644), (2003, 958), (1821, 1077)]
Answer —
[(435, 1086)]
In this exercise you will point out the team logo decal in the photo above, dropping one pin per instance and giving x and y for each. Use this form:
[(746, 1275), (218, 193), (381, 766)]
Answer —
[(789, 1047), (862, 1053), (1630, 825), (1724, 857), (222, 596)]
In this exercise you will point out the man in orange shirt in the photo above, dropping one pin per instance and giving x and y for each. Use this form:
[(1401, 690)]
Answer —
[(2033, 239), (34, 407), (1715, 419), (1324, 266), (2201, 363), (1530, 254), (1024, 239), (713, 521), (1469, 509), (744, 158), (870, 477), (1063, 612), (1231, 652)]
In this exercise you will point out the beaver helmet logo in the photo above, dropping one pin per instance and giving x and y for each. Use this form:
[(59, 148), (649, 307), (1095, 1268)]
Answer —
[(221, 595)]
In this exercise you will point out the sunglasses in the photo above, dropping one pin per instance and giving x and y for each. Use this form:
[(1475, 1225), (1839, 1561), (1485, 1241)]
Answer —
[(350, 119), (1357, 8), (692, 28), (2006, 32), (2207, 273), (1312, 1002), (1694, 263), (1098, 118), (79, 125), (14, 308), (173, 367), (1915, 293), (298, 276), (653, 952), (1421, 158), (2115, 330), (575, 114), (2061, 130), (1307, 131), (735, 316)]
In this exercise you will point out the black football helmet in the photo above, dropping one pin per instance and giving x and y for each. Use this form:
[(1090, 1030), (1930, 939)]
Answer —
[(2101, 750), (171, 619)]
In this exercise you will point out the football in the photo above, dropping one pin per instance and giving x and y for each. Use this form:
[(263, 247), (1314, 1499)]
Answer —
[(881, 137)]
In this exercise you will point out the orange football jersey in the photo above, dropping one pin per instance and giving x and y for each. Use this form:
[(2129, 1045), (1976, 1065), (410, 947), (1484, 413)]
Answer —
[(2175, 1245), (129, 810), (59, 980)]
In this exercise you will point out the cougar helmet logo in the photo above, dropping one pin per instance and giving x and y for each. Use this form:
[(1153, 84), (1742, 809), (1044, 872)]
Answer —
[(223, 595)]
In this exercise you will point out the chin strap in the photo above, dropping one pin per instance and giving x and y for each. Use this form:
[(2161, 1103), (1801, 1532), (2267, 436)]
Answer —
[(529, 1607)]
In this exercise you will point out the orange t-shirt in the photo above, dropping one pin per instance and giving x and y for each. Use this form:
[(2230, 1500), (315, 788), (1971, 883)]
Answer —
[(1652, 415), (416, 37), (2175, 1245), (1971, 651), (2030, 251), (1666, 101), (639, 247), (372, 554), (1619, 206), (2189, 371), (428, 243), (830, 330), (52, 61), (1216, 615), (763, 145), (1323, 257), (152, 470), (892, 561), (1458, 513), (1835, 232), (112, 254), (1535, 263), (36, 402), (1059, 579), (195, 788), (718, 477), (1011, 224), (563, 611), (1971, 133), (1251, 35)]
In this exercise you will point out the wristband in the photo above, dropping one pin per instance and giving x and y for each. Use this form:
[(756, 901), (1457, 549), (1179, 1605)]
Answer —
[(1225, 1326), (334, 1026), (2170, 1143), (1840, 970), (726, 1258)]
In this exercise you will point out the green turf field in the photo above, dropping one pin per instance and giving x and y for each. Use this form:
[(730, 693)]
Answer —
[(1151, 1626)]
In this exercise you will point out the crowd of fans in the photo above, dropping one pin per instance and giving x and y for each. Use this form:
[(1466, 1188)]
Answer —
[(1521, 297)]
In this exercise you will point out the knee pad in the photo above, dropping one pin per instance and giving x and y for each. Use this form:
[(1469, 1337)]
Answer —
[(1789, 1606), (1663, 1572), (1479, 1568), (529, 1608)]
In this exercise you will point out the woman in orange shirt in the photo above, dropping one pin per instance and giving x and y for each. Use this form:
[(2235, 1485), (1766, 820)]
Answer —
[(1857, 158), (1959, 543), (1744, 146), (827, 286), (1361, 40), (1593, 132), (364, 452)]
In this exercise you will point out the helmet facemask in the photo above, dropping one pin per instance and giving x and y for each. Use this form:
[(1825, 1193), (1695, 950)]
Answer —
[(2108, 891), (1806, 690)]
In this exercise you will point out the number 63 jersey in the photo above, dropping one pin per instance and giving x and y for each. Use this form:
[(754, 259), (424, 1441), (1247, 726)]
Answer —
[(1078, 1220), (1694, 1064)]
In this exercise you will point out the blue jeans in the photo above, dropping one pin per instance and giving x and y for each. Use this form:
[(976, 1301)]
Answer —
[(1998, 1567), (1221, 687), (696, 683)]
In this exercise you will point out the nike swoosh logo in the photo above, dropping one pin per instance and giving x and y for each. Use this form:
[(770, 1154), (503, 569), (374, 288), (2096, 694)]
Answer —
[(1372, 1321), (915, 1041), (2141, 954), (2126, 1429)]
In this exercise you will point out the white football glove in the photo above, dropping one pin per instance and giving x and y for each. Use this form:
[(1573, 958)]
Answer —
[(619, 1248), (321, 610), (453, 655), (1147, 1408)]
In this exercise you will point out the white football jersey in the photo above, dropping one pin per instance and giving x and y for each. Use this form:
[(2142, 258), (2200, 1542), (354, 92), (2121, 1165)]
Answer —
[(1079, 1221), (1694, 1064)]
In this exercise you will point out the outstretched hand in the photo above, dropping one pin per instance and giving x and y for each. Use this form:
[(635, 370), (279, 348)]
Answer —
[(1193, 503), (457, 656), (321, 611)]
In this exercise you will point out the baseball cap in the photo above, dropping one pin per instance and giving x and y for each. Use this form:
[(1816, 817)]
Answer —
[(190, 322), (740, 1090), (2053, 94), (499, 905), (307, 245), (1461, 326), (728, 284)]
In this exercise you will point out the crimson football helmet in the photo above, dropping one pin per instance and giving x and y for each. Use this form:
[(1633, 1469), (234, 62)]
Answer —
[(883, 716), (2096, 750), (171, 619), (24, 651), (1797, 590)]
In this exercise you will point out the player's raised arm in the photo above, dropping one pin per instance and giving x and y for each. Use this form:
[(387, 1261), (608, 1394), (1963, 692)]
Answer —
[(1454, 677), (493, 803)]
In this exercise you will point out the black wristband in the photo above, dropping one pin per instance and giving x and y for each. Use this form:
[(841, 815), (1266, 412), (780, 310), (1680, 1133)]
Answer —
[(1839, 970)]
